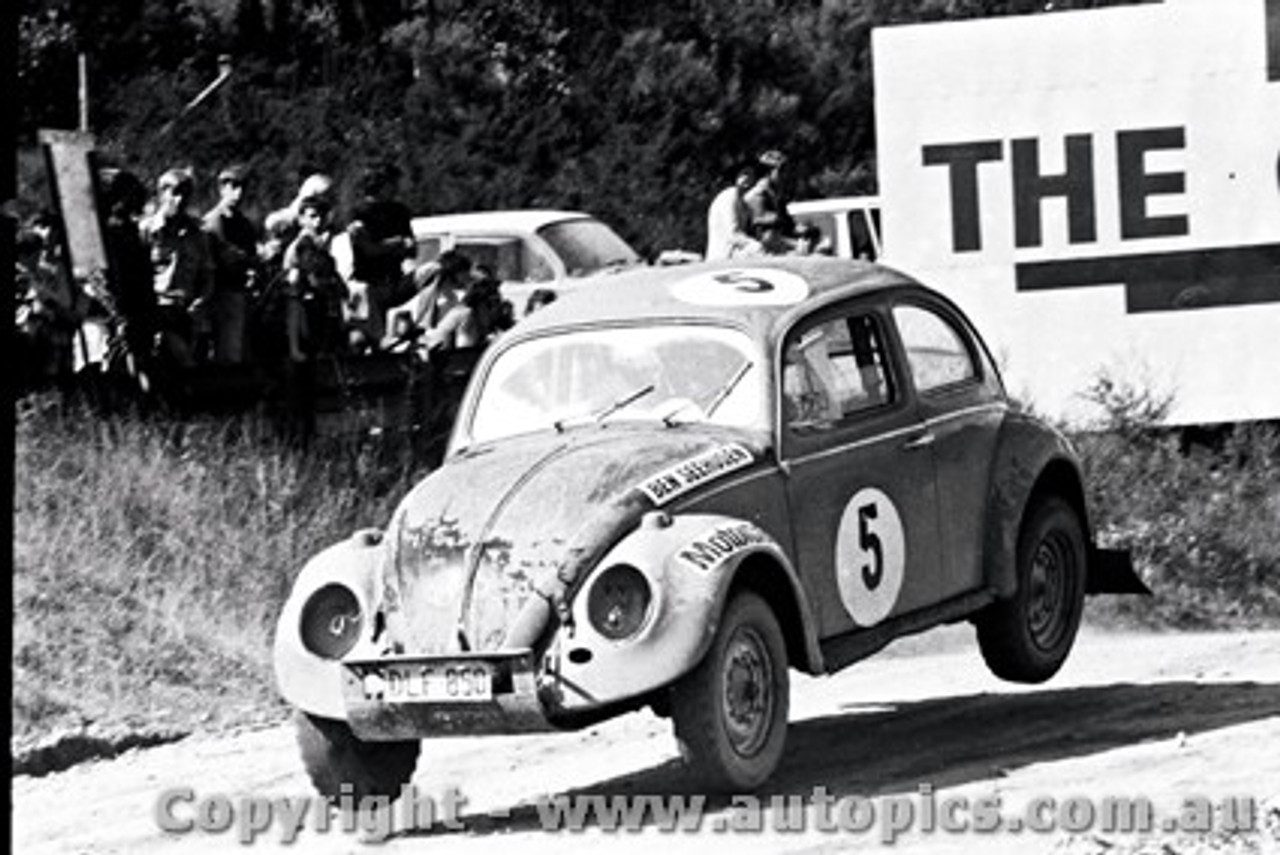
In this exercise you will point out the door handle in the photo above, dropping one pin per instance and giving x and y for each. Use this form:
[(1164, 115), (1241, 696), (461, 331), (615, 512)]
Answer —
[(924, 440)]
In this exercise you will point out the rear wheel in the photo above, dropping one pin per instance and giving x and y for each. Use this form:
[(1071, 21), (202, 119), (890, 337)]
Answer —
[(1027, 637), (730, 711), (334, 756)]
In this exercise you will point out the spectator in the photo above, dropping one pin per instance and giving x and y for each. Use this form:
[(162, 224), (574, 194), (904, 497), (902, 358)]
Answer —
[(46, 309), (808, 240), (441, 285), (182, 268), (129, 275), (280, 227), (771, 221), (233, 242), (482, 315), (729, 219), (313, 290), (381, 241)]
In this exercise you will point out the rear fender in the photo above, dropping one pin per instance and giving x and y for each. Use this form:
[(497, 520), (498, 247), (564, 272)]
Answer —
[(1026, 453), (1033, 460)]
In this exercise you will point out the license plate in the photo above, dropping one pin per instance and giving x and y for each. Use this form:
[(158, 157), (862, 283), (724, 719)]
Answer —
[(452, 682)]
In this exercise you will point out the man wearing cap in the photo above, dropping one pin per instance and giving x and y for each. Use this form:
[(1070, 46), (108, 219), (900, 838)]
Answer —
[(767, 200), (233, 244), (181, 265)]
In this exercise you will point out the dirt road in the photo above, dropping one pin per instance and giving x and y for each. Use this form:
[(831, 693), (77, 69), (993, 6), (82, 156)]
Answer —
[(1169, 718)]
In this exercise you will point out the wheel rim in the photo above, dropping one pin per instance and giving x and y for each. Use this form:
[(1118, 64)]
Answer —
[(1052, 574), (748, 703)]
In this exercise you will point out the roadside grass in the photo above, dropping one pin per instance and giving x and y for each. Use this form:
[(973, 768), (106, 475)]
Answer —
[(151, 558)]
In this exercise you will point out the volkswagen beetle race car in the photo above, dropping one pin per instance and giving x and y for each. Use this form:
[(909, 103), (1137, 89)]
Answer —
[(670, 489)]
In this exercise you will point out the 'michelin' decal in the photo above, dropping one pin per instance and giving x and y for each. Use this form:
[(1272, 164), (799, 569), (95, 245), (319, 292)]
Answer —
[(720, 544)]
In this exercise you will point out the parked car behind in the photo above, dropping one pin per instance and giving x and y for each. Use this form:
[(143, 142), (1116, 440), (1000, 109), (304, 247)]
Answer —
[(849, 225), (528, 250), (671, 488)]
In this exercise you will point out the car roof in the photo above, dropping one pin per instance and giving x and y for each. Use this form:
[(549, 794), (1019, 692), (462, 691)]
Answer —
[(524, 221), (836, 204), (712, 291)]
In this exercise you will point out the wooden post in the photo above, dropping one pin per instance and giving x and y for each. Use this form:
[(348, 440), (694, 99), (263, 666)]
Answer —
[(83, 64)]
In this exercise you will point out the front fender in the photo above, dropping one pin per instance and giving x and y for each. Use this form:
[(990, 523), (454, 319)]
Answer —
[(305, 680), (691, 563)]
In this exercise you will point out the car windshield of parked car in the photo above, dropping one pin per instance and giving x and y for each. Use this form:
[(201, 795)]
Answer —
[(587, 246), (556, 382)]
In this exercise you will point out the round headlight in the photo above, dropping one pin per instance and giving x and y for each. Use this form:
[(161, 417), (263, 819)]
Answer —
[(618, 602), (331, 622)]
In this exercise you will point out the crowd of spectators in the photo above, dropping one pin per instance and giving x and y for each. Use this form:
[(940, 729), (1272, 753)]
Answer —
[(182, 289)]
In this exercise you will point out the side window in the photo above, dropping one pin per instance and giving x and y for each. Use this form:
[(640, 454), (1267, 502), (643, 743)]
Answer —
[(500, 256), (936, 351), (428, 249), (832, 371), (536, 266)]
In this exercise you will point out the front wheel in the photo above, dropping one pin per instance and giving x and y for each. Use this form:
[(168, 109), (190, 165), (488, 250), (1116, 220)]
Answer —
[(730, 711), (1027, 637), (334, 757)]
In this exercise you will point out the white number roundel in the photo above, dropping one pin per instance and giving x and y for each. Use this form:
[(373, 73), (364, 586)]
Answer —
[(870, 556), (743, 286)]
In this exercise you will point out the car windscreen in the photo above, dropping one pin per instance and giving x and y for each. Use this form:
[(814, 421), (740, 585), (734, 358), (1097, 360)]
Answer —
[(587, 246), (669, 373)]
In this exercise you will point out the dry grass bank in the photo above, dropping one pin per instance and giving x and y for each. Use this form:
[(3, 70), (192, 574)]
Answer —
[(151, 560)]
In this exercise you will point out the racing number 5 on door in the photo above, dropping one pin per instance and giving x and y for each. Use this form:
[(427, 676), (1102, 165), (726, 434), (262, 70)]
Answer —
[(870, 556)]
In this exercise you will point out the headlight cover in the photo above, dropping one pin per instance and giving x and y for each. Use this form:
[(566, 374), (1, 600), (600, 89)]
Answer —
[(619, 601), (331, 621)]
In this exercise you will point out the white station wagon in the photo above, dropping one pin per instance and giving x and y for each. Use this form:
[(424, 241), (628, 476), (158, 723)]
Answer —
[(528, 249)]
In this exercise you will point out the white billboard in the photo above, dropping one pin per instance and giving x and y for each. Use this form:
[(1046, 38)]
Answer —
[(1101, 191)]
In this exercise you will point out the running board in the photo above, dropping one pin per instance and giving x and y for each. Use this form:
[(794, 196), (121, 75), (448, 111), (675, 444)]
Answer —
[(849, 648)]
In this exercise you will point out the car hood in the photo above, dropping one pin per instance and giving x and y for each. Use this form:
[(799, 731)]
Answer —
[(486, 549)]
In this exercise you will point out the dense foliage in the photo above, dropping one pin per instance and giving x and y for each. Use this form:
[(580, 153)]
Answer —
[(634, 111)]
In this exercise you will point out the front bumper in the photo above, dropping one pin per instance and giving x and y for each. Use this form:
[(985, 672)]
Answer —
[(515, 705)]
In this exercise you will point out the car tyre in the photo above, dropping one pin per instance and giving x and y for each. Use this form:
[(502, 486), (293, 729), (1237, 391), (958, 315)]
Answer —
[(334, 756), (730, 712), (1027, 637)]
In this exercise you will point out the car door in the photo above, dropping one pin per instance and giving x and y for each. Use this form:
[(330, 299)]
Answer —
[(963, 406), (860, 478)]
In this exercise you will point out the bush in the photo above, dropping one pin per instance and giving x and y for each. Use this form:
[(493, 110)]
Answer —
[(1202, 520)]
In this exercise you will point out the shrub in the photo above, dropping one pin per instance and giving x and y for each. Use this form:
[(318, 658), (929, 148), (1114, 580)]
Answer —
[(1202, 520)]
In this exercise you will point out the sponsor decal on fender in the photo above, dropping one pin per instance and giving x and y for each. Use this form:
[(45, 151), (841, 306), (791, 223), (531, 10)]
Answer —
[(679, 479), (719, 544)]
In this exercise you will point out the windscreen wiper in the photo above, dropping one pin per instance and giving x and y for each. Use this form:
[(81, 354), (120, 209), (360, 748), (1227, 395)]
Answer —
[(626, 401), (716, 400)]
